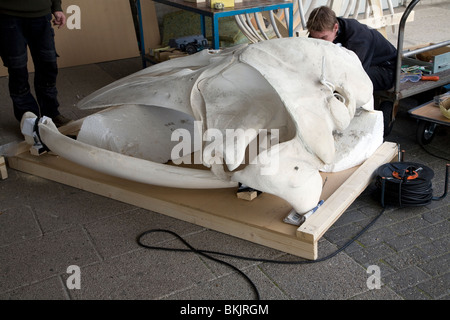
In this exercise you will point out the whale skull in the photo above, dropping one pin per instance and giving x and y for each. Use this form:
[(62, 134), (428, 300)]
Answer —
[(311, 97)]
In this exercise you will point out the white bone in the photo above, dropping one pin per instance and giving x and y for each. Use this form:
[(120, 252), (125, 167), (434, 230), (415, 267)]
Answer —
[(127, 167), (273, 85)]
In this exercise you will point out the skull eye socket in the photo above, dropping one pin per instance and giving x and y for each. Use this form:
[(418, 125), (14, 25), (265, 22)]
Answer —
[(339, 96)]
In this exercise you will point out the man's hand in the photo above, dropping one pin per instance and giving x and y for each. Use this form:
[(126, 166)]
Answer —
[(60, 19)]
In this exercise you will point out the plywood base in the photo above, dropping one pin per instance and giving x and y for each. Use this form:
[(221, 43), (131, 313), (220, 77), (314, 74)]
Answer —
[(429, 112), (259, 220)]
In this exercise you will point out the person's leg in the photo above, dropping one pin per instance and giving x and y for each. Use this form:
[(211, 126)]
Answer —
[(13, 51), (42, 48), (382, 77)]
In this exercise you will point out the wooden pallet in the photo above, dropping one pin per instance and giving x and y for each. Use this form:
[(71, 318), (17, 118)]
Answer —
[(259, 220)]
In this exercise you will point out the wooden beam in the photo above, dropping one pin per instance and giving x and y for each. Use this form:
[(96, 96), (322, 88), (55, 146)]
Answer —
[(280, 25), (259, 220), (386, 20), (327, 214), (3, 171)]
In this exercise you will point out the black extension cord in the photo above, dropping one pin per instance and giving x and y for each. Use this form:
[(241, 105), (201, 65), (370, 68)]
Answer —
[(406, 184), (399, 184), (207, 253)]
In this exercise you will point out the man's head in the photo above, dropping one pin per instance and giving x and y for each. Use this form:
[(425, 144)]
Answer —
[(322, 24)]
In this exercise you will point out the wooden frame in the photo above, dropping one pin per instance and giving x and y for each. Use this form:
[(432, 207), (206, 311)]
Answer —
[(259, 220)]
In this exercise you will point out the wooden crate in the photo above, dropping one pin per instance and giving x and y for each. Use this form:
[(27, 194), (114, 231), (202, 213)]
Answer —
[(259, 220)]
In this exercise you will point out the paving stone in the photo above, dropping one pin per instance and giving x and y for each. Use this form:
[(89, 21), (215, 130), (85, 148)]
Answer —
[(39, 258), (48, 289), (233, 287), (384, 293), (140, 275), (436, 230), (18, 224), (375, 236), (30, 190), (406, 258), (77, 208), (405, 278), (215, 241), (337, 278), (348, 217), (414, 293), (117, 234), (409, 225), (372, 255), (437, 287), (437, 247), (406, 241), (432, 216), (436, 266)]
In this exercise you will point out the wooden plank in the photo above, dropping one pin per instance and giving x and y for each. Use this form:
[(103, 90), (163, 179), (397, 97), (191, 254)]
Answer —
[(430, 112), (314, 227), (377, 10), (259, 220), (382, 22), (281, 26), (336, 6), (3, 171)]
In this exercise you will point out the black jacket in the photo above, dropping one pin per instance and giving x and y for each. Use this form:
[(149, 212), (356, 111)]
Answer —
[(372, 48)]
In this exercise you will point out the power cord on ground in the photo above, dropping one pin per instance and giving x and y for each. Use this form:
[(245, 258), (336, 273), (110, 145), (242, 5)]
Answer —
[(206, 253), (406, 184)]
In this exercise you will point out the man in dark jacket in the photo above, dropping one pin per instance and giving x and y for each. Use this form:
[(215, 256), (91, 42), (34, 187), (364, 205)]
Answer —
[(27, 23), (378, 56)]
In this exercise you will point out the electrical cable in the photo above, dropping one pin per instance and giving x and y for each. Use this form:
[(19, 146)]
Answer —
[(206, 253), (405, 183)]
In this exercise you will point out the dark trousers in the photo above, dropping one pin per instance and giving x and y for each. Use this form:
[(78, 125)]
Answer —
[(16, 34), (382, 76)]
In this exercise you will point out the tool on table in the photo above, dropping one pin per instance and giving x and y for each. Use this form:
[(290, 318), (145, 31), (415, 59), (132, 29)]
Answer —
[(415, 69), (430, 78), (416, 76), (413, 77)]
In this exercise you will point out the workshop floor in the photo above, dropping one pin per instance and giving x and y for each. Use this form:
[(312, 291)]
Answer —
[(47, 227)]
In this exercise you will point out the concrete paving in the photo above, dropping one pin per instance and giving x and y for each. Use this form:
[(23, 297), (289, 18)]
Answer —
[(47, 227)]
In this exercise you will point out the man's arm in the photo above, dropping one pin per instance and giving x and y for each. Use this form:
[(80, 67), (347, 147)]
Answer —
[(56, 5), (60, 18)]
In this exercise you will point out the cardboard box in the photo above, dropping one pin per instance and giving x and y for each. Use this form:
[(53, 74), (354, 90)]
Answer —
[(438, 58), (106, 32), (435, 60)]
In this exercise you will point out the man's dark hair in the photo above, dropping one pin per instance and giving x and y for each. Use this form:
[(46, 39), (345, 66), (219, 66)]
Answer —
[(321, 19)]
